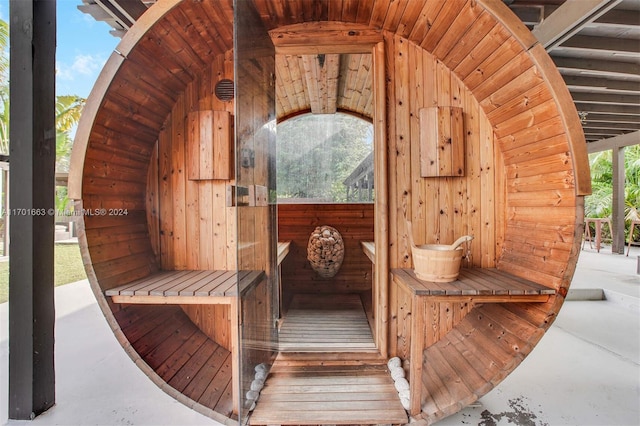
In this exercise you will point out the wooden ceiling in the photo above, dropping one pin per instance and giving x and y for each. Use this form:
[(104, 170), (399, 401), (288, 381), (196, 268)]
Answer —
[(594, 43), (324, 84)]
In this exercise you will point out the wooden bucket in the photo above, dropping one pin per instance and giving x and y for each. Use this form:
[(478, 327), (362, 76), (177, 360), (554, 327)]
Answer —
[(435, 262)]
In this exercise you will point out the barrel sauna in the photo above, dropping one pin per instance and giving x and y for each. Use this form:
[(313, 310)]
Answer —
[(161, 240)]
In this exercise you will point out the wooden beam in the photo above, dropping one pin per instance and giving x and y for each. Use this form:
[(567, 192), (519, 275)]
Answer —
[(321, 74), (604, 68), (597, 134), (132, 9), (600, 84), (621, 46), (324, 37), (33, 139), (607, 108), (117, 12), (619, 19), (606, 98), (381, 232), (528, 14), (618, 127), (619, 119), (568, 19), (627, 139)]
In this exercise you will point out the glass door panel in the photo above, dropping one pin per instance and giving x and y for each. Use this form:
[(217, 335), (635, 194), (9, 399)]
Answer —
[(254, 60)]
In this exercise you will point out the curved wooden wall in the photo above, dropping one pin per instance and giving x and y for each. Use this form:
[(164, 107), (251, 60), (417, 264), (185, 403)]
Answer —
[(128, 155), (526, 157)]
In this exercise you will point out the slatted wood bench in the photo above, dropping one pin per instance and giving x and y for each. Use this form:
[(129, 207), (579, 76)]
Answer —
[(197, 287), (191, 287), (369, 249), (283, 250), (433, 381), (186, 287)]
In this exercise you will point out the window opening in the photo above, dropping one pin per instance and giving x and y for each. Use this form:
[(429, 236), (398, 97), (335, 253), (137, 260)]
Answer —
[(325, 158)]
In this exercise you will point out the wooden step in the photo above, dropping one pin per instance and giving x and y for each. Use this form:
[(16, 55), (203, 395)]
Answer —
[(317, 395)]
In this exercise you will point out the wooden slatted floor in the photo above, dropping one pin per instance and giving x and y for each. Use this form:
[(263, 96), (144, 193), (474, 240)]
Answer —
[(316, 395), (326, 323), (180, 353)]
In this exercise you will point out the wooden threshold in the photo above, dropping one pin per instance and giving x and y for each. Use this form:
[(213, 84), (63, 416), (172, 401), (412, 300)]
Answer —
[(316, 395), (326, 323)]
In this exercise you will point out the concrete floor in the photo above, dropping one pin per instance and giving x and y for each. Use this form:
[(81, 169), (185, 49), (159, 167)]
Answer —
[(585, 371)]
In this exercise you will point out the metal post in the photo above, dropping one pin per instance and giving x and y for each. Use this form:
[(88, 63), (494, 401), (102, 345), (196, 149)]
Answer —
[(32, 154), (617, 211)]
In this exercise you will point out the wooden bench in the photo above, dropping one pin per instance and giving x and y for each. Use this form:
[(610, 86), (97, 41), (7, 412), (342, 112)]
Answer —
[(191, 287), (198, 287), (477, 284), (186, 287), (369, 249), (283, 250), (474, 286)]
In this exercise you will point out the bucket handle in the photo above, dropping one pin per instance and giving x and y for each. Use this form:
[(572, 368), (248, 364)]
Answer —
[(455, 245), (410, 232)]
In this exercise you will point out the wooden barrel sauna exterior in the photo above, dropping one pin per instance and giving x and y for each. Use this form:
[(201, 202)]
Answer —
[(519, 189)]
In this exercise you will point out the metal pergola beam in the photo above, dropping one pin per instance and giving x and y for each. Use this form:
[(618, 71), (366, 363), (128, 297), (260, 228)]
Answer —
[(623, 47), (32, 152), (598, 67), (606, 98), (600, 84), (568, 19), (621, 141)]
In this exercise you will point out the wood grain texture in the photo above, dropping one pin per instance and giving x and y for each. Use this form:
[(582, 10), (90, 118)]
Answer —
[(175, 349), (325, 323), (209, 145), (328, 395), (521, 196)]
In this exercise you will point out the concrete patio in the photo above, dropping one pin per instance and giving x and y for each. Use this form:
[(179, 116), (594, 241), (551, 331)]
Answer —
[(585, 371)]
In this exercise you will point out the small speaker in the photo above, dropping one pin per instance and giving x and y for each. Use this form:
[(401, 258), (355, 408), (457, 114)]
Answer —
[(224, 90)]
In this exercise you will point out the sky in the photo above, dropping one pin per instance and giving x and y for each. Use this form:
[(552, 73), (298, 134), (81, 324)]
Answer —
[(83, 47)]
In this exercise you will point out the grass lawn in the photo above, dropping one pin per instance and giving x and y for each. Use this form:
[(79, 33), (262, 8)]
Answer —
[(68, 268)]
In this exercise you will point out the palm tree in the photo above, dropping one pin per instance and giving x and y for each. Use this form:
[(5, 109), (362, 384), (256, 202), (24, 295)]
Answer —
[(68, 110)]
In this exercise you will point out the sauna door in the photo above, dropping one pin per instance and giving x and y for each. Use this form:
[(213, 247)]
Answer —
[(255, 196)]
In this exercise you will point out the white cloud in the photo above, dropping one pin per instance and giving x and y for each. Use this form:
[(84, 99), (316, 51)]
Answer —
[(83, 66), (78, 75)]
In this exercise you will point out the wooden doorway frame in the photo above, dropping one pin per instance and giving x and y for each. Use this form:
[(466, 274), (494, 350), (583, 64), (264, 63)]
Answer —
[(329, 37)]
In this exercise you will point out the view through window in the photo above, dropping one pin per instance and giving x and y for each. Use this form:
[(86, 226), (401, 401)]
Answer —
[(325, 158)]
